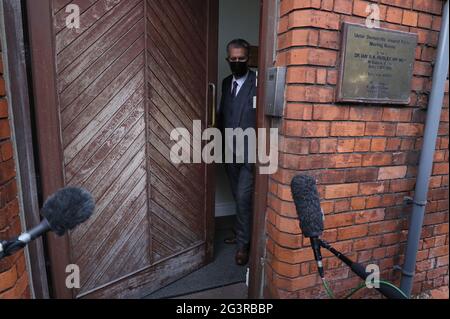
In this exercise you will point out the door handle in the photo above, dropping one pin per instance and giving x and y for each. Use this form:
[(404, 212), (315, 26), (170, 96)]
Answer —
[(212, 86)]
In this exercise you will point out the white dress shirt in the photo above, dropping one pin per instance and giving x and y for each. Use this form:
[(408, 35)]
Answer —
[(240, 83)]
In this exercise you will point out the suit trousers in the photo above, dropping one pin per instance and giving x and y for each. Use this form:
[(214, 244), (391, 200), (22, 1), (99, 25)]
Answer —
[(241, 178)]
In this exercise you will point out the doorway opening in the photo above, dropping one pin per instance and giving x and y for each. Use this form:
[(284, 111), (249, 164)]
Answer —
[(222, 278)]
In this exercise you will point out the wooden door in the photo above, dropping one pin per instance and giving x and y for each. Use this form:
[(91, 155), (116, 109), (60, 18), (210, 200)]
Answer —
[(132, 72)]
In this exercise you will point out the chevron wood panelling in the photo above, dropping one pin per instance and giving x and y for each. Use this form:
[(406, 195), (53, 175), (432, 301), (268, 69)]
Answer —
[(131, 73), (176, 56)]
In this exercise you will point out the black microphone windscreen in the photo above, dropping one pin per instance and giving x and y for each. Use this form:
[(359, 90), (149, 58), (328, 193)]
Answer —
[(68, 208), (307, 203)]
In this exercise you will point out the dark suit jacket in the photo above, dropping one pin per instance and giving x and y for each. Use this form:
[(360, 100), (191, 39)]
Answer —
[(238, 113)]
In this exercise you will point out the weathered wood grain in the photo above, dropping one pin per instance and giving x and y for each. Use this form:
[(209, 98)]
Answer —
[(134, 71)]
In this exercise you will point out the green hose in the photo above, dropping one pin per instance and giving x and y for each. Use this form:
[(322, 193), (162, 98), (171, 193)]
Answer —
[(354, 291), (360, 287), (328, 289)]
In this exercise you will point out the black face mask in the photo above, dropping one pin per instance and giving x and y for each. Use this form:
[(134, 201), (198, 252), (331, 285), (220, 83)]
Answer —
[(239, 69)]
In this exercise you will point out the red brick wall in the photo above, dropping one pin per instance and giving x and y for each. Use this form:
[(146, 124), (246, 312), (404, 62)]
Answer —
[(13, 275), (365, 157)]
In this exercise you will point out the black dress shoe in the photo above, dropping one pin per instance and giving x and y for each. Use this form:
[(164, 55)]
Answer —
[(242, 256), (230, 240)]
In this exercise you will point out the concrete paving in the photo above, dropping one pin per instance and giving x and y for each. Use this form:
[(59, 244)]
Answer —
[(237, 291)]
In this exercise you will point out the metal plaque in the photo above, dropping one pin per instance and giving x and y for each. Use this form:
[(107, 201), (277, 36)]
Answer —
[(376, 65)]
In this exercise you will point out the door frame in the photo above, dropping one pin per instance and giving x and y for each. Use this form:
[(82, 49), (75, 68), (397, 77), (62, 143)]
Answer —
[(42, 60), (14, 40), (267, 49)]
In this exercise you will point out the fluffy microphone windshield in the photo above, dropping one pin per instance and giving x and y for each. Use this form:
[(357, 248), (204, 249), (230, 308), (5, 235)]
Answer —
[(307, 202), (68, 208)]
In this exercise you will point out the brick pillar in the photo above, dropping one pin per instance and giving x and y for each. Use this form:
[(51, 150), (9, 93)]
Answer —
[(364, 157), (13, 275)]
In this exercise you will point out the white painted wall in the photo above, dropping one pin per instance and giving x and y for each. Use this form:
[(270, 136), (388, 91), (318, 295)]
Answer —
[(237, 19)]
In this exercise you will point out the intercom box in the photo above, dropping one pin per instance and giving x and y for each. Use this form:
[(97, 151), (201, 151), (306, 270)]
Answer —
[(275, 89)]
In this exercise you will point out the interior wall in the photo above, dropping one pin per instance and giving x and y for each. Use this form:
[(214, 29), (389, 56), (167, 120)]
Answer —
[(237, 19)]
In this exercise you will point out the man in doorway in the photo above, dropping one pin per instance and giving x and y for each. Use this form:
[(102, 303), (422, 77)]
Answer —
[(237, 111)]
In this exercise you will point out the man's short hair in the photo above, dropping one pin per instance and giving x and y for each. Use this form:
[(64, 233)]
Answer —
[(240, 44)]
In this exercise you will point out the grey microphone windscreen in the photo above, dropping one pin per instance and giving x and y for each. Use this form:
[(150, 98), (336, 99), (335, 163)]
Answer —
[(68, 208), (307, 203)]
